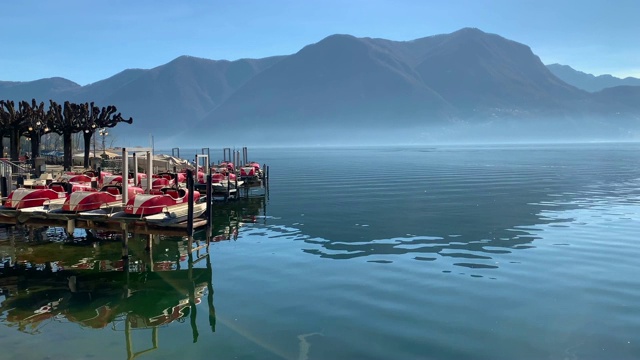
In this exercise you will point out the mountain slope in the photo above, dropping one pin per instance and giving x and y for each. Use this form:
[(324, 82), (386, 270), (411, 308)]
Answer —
[(344, 84), (483, 72), (589, 82), (339, 77), (42, 90), (164, 99)]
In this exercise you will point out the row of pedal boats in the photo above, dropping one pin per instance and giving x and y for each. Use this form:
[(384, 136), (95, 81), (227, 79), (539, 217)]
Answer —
[(165, 203)]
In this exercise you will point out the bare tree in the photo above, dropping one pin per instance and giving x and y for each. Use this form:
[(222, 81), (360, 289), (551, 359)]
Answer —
[(36, 122), (93, 118), (13, 121), (64, 121)]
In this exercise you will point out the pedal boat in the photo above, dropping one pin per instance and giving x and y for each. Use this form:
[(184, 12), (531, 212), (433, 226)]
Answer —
[(158, 200), (22, 198), (93, 200)]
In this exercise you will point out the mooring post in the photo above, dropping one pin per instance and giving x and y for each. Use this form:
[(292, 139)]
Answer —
[(20, 181), (209, 199), (71, 227), (99, 170), (135, 169), (149, 171), (245, 155), (3, 187), (190, 203), (125, 176), (265, 176)]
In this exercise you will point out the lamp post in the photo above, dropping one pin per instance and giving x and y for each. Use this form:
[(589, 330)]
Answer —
[(103, 132), (94, 145), (35, 133)]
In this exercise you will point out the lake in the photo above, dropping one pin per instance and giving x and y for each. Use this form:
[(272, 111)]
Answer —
[(408, 252)]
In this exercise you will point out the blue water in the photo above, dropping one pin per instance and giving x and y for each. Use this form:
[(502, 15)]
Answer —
[(485, 252)]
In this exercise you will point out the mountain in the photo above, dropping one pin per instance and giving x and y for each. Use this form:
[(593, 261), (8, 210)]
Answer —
[(589, 82), (345, 89), (341, 79), (167, 98), (42, 89)]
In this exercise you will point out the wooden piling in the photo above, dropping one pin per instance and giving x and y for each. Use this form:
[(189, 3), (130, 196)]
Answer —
[(4, 191), (190, 188), (149, 172), (209, 199), (135, 168), (125, 177)]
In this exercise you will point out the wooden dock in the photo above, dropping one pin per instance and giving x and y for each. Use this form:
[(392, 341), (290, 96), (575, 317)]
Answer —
[(99, 220), (181, 220)]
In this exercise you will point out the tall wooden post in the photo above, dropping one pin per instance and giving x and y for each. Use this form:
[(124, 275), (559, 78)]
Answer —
[(125, 176), (190, 203), (149, 171)]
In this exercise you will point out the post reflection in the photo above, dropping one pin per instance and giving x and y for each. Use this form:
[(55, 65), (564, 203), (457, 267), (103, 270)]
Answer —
[(89, 280), (97, 298)]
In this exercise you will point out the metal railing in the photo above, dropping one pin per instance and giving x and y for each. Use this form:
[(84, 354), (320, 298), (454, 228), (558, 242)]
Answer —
[(11, 169)]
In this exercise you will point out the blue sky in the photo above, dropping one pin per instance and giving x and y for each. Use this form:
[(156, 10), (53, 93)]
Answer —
[(86, 41)]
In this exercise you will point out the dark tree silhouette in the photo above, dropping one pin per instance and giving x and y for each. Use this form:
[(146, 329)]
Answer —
[(4, 120), (87, 119), (93, 118), (36, 122), (13, 121), (32, 121), (64, 121)]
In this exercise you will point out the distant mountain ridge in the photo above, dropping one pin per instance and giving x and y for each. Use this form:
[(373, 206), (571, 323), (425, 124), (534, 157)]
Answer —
[(342, 89), (589, 82)]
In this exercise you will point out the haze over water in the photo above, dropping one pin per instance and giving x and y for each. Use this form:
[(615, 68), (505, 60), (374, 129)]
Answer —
[(478, 252)]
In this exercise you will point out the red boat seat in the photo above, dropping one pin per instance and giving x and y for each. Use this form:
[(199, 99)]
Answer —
[(173, 193), (247, 171), (58, 188), (113, 191)]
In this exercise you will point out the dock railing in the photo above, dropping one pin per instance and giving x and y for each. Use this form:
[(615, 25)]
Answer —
[(10, 172)]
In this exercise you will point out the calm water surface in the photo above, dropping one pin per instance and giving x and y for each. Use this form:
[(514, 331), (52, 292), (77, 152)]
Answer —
[(504, 252)]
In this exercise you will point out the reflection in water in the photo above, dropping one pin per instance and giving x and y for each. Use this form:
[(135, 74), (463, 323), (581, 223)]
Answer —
[(305, 346), (474, 254), (228, 218), (48, 276), (498, 230), (134, 296)]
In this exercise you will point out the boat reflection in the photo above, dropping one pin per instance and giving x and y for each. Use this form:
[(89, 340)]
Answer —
[(228, 218), (53, 248), (95, 299), (47, 275)]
